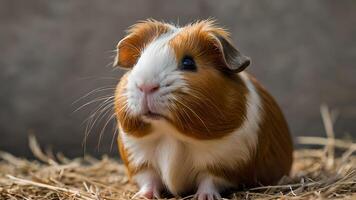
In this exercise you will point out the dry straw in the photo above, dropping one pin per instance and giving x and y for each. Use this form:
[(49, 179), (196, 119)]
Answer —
[(325, 173)]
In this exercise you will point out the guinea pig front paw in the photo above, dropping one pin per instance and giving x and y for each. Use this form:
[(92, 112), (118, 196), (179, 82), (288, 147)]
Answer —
[(208, 196), (147, 192), (207, 191)]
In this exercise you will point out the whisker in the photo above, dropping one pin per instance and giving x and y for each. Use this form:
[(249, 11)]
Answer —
[(103, 129), (96, 78), (193, 113), (109, 64), (96, 110), (209, 101), (116, 131), (100, 89), (123, 107), (111, 51), (107, 78), (90, 127), (95, 117), (184, 111), (91, 120), (93, 101)]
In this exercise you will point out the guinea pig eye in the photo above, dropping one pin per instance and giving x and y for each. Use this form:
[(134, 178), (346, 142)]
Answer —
[(188, 64)]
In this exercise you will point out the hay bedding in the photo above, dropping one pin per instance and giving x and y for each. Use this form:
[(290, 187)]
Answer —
[(316, 174)]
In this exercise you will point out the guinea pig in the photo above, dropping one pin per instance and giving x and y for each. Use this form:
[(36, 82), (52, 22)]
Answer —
[(190, 119)]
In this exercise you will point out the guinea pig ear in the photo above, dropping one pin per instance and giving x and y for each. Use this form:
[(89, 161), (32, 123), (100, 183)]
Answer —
[(233, 58), (139, 35), (125, 58)]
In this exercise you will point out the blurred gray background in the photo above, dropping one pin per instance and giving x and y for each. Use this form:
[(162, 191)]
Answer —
[(53, 52)]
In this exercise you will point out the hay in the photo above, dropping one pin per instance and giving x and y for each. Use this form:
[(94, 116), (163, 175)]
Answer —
[(322, 173)]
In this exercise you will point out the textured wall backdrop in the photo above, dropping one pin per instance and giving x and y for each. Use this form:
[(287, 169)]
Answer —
[(54, 52)]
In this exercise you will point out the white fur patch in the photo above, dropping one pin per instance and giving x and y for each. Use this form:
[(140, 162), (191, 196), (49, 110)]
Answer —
[(157, 65), (179, 159), (207, 189)]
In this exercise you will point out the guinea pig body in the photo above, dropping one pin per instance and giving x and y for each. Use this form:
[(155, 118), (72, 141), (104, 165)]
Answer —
[(190, 119)]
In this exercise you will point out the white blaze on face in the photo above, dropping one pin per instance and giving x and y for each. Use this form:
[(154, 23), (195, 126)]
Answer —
[(156, 65)]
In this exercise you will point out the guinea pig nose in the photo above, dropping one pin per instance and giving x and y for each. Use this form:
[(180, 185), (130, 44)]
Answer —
[(148, 88)]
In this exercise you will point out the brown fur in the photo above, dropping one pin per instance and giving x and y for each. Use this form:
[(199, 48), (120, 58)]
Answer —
[(139, 35), (267, 164), (272, 163), (210, 109), (199, 41)]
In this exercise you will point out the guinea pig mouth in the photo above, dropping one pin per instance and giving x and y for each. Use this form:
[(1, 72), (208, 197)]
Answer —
[(154, 116)]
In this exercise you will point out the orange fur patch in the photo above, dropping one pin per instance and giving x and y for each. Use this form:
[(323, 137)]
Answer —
[(198, 41), (141, 34), (272, 163), (273, 157)]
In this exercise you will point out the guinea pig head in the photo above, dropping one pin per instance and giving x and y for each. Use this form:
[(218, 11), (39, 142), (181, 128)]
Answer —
[(184, 75)]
